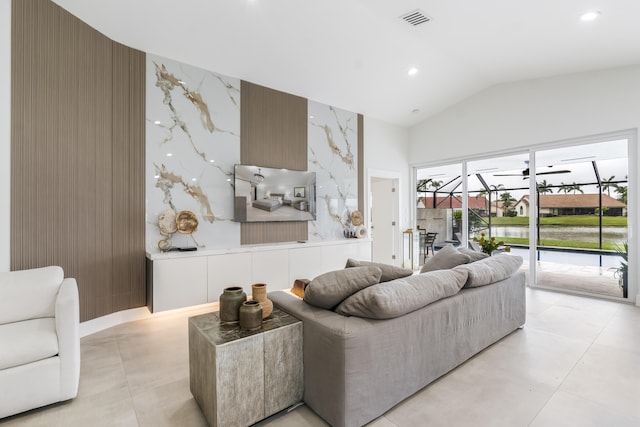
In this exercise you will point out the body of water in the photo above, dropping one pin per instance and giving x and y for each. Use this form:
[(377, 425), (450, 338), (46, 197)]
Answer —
[(615, 235), (572, 257)]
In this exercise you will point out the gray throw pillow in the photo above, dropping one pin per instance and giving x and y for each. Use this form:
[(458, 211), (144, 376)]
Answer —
[(490, 270), (389, 272), (473, 255), (401, 296), (447, 257), (329, 289)]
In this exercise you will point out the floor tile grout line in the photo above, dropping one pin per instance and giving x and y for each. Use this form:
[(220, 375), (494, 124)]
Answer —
[(124, 367)]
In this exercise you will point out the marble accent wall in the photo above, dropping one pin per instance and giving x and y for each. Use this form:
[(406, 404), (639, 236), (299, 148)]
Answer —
[(193, 143), (333, 155)]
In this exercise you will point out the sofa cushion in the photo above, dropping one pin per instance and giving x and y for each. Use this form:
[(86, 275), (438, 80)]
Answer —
[(490, 270), (329, 289), (29, 294), (27, 341), (473, 255), (397, 297), (389, 272), (447, 257)]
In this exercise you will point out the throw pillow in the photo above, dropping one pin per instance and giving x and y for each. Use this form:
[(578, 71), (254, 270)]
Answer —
[(389, 272), (490, 270), (447, 257), (329, 289), (393, 299), (473, 255)]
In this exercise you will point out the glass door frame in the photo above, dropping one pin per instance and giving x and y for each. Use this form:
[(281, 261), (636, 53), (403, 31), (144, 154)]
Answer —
[(631, 135)]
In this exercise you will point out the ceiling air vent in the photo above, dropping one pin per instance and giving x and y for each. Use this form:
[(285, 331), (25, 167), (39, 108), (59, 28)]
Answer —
[(415, 17)]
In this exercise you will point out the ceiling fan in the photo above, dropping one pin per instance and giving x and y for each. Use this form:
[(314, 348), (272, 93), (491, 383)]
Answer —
[(525, 172)]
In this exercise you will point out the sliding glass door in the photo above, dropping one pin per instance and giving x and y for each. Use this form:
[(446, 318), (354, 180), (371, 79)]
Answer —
[(582, 210), (563, 208)]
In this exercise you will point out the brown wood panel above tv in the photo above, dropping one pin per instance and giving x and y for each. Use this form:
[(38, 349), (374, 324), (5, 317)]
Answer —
[(273, 134)]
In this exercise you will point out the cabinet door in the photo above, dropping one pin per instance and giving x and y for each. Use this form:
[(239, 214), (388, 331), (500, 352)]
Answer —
[(335, 257), (305, 263), (179, 282), (228, 270), (272, 268)]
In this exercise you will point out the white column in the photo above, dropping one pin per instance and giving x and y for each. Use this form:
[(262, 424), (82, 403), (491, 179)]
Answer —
[(5, 133)]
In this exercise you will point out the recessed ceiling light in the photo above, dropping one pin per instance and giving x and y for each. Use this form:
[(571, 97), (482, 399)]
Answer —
[(157, 122), (412, 71), (590, 16), (169, 154), (312, 117), (212, 161)]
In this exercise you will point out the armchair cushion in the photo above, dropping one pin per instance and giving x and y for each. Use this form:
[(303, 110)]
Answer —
[(29, 294), (39, 339), (27, 341)]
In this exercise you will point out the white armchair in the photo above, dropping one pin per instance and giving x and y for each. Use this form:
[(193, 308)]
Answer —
[(39, 339)]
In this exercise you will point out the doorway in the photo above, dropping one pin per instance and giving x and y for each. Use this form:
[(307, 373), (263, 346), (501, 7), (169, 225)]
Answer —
[(384, 206)]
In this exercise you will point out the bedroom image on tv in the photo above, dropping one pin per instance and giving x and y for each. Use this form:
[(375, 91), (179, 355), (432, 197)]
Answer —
[(267, 194)]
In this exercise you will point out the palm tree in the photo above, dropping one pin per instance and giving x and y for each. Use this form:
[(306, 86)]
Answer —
[(621, 190), (496, 189), (608, 184), (435, 184), (507, 201), (544, 187), (576, 187), (566, 188)]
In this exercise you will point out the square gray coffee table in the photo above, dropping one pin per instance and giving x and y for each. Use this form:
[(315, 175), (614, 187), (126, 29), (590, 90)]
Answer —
[(241, 377)]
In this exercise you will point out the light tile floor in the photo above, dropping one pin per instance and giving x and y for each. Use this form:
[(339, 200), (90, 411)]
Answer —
[(575, 363)]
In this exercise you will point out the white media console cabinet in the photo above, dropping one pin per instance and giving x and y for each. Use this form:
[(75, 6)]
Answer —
[(183, 279)]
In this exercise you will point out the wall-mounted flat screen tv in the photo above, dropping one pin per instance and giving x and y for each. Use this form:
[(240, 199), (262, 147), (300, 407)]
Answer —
[(267, 194)]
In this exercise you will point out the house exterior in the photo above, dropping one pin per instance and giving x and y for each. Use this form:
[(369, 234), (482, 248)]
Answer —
[(572, 204), (453, 202)]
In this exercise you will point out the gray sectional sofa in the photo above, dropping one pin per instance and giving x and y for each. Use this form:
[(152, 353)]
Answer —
[(356, 368)]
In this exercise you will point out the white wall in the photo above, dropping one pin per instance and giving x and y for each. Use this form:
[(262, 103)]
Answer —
[(531, 112), (5, 133), (386, 155), (386, 148), (527, 113)]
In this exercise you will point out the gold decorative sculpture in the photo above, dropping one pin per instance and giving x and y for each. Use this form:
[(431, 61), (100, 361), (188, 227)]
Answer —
[(187, 222), (167, 222), (167, 226), (356, 218), (184, 222)]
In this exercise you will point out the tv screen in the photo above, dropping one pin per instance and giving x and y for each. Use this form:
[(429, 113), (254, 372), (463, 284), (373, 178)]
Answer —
[(267, 194)]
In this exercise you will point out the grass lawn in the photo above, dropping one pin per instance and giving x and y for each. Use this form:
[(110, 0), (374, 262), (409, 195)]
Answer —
[(571, 220)]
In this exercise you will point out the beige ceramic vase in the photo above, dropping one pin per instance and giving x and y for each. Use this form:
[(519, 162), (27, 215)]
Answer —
[(259, 293)]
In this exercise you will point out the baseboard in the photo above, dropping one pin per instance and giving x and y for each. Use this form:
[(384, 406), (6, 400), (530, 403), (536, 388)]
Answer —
[(638, 300), (101, 323), (114, 319)]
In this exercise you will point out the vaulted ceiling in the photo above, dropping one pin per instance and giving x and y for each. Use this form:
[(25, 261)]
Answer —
[(355, 54)]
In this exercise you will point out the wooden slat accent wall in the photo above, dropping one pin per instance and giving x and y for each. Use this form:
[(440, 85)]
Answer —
[(273, 133), (77, 156)]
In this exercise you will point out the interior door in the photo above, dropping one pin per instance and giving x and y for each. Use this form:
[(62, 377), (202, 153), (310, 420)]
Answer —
[(383, 221)]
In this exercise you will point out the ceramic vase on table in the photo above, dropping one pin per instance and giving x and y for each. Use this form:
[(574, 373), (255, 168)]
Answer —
[(250, 316), (259, 293), (230, 302)]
